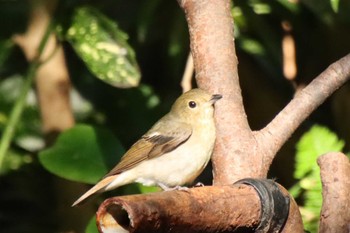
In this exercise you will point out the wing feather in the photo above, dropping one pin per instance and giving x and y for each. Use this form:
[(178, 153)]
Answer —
[(153, 144)]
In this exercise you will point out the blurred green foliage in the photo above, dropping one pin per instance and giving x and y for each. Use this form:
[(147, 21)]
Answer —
[(80, 150), (317, 141), (147, 39)]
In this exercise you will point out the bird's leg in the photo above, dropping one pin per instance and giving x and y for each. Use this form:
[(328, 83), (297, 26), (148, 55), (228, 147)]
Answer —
[(182, 188), (164, 187), (167, 188)]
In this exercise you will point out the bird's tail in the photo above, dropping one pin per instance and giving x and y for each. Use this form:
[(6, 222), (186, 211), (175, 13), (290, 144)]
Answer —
[(96, 189)]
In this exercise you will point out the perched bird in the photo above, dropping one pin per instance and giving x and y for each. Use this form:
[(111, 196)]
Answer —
[(173, 152)]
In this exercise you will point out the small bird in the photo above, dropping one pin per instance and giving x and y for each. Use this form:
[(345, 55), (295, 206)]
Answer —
[(173, 152)]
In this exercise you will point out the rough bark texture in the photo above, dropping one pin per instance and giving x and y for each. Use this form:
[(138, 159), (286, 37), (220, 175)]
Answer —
[(206, 209), (294, 222), (212, 45), (335, 175), (239, 152)]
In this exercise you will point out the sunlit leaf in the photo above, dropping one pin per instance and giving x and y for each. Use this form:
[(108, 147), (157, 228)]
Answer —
[(104, 48), (252, 46), (334, 5), (82, 153), (292, 6), (261, 8), (319, 140)]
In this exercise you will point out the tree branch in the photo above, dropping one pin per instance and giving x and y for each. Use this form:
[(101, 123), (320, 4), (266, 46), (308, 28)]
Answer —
[(206, 209), (239, 152), (335, 176), (277, 132), (186, 82), (212, 46)]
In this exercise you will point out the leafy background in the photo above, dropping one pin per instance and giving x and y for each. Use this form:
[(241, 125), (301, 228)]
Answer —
[(126, 72)]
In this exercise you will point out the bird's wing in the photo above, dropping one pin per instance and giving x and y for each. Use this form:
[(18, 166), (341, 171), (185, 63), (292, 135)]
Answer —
[(153, 144)]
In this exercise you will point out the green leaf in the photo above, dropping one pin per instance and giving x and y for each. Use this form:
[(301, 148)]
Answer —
[(6, 47), (295, 190), (14, 160), (319, 140), (253, 47), (92, 227), (104, 48), (334, 5), (139, 188), (82, 153)]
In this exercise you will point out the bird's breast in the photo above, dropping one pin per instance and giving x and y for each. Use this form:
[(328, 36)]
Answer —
[(183, 164)]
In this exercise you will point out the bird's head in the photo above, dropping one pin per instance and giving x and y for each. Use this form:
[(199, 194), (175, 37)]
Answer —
[(195, 105)]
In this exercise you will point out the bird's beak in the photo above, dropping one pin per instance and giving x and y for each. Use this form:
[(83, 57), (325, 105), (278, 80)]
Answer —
[(215, 98)]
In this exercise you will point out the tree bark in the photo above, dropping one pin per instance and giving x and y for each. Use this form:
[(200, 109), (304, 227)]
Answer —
[(335, 176), (212, 46), (206, 209), (239, 152)]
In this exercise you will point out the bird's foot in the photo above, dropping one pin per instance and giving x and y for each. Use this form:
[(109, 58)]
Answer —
[(178, 187), (181, 188), (199, 184)]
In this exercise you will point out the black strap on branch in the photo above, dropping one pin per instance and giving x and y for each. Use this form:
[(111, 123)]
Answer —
[(274, 205)]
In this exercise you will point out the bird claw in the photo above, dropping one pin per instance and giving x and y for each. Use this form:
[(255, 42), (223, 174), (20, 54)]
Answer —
[(199, 184), (178, 187), (181, 188)]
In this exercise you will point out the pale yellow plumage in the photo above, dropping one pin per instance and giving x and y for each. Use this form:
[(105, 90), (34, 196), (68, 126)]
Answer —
[(173, 152)]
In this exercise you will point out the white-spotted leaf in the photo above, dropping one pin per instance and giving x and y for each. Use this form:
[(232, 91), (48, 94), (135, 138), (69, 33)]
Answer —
[(104, 48)]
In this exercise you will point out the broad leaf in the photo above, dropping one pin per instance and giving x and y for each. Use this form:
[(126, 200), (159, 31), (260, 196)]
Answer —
[(82, 153), (104, 48)]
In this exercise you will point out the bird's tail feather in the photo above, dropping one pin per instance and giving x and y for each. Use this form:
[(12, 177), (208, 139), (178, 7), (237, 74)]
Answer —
[(95, 189)]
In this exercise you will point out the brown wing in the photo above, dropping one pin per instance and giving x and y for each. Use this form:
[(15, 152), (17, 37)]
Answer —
[(154, 143)]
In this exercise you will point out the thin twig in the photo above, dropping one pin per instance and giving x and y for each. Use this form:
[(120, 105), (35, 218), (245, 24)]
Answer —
[(186, 82), (277, 132), (289, 56)]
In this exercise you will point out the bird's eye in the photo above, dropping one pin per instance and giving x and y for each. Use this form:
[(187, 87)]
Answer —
[(192, 104)]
